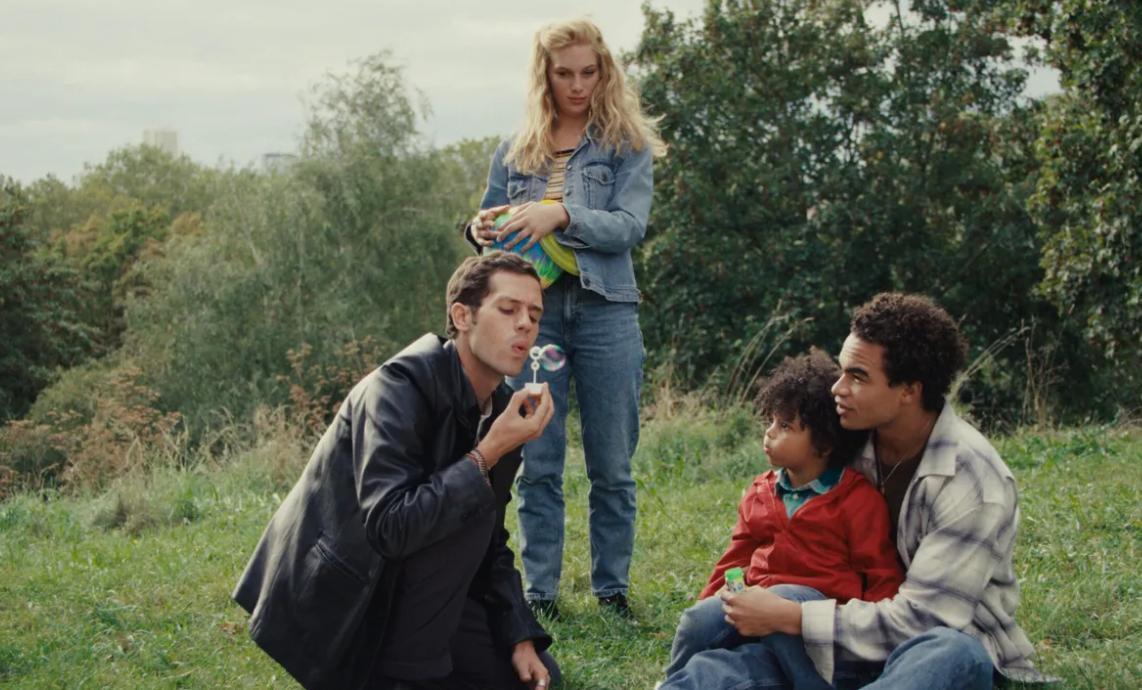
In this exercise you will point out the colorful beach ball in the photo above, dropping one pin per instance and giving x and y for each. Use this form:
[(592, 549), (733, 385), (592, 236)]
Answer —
[(549, 258)]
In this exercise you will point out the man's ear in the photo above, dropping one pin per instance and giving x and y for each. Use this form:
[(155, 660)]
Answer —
[(461, 316), (913, 393)]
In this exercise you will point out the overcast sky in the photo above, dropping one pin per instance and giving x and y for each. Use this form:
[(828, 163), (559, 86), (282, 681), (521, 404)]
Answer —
[(79, 78)]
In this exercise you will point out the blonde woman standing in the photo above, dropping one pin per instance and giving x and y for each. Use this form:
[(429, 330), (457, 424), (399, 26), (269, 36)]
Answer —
[(586, 151)]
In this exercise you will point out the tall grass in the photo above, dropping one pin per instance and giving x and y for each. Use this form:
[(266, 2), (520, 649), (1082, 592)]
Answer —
[(130, 587)]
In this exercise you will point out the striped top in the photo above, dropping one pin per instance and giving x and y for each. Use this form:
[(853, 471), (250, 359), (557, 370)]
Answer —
[(556, 178)]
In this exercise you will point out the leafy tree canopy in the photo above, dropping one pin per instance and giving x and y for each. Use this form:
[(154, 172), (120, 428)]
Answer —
[(1088, 199)]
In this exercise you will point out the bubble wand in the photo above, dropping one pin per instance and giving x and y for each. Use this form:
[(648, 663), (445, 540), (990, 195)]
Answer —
[(551, 358), (534, 387)]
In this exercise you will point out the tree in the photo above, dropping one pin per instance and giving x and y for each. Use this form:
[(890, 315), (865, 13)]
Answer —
[(107, 250), (117, 211), (38, 311), (744, 96), (1088, 200), (131, 176), (817, 158), (353, 242)]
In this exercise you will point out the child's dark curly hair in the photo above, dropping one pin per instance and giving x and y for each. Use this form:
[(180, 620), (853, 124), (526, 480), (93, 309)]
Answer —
[(800, 387), (921, 342)]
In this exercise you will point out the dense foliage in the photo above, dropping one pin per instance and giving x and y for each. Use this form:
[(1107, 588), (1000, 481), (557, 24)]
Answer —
[(209, 293), (820, 151), (39, 310), (1088, 200), (355, 241), (818, 158)]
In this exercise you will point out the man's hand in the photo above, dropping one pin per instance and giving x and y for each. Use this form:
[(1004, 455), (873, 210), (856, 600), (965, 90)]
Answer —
[(529, 667), (523, 420), (757, 611), (483, 224), (533, 222)]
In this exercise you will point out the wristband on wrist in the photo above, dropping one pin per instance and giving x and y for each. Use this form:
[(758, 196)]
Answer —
[(481, 463)]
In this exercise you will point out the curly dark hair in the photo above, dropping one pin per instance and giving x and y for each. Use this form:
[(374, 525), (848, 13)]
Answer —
[(921, 342), (472, 279), (800, 386)]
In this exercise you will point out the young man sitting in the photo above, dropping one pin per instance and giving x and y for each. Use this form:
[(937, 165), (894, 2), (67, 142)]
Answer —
[(954, 509)]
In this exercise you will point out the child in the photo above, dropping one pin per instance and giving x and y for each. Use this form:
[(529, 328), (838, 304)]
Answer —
[(808, 529)]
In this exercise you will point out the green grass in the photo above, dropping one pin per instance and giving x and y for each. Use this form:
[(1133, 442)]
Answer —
[(131, 588)]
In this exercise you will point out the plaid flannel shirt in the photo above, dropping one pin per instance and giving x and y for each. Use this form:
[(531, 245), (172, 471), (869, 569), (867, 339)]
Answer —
[(956, 535)]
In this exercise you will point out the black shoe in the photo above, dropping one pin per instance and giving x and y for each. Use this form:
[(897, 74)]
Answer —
[(617, 604), (544, 608)]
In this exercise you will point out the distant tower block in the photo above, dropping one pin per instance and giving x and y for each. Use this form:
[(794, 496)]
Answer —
[(164, 139), (277, 162)]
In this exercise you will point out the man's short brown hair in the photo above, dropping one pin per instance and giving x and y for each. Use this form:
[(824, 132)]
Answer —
[(470, 281)]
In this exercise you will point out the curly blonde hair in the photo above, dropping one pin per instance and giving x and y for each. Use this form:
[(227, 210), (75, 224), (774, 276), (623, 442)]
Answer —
[(615, 113)]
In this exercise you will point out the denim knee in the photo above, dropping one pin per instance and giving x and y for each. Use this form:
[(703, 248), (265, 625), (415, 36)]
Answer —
[(703, 623), (701, 627), (962, 655), (975, 660), (796, 593)]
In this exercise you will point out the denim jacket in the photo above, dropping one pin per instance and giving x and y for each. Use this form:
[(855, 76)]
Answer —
[(607, 195)]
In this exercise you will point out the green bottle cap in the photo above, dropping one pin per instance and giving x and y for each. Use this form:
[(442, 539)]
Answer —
[(735, 580)]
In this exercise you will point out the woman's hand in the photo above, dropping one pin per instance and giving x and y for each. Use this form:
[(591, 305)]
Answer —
[(533, 222), (482, 225), (756, 611), (529, 667)]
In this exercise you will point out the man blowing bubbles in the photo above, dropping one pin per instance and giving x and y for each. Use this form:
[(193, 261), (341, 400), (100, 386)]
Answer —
[(387, 564)]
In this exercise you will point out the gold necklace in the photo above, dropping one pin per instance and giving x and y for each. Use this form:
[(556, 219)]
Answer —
[(880, 483)]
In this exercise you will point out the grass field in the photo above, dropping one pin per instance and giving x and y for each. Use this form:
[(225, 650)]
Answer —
[(130, 588)]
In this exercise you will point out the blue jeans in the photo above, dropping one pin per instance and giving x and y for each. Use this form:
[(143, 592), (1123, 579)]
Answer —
[(940, 659), (604, 351), (704, 639)]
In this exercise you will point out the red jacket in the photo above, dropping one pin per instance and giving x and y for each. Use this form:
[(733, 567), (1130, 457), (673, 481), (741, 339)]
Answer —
[(838, 543)]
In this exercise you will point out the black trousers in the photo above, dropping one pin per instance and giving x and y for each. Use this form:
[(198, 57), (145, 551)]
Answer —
[(477, 662), (437, 633)]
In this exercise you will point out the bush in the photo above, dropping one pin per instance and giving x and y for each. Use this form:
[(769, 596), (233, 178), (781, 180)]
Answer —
[(31, 456), (316, 389), (118, 430)]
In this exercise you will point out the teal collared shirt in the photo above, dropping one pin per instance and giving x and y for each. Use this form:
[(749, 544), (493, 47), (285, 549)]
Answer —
[(794, 498)]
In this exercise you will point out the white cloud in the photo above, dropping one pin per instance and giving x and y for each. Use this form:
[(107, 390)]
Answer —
[(81, 77)]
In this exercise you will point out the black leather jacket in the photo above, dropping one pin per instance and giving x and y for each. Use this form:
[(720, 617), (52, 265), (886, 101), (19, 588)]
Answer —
[(387, 479)]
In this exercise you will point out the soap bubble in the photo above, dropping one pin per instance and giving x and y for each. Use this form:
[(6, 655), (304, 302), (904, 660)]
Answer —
[(550, 357)]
